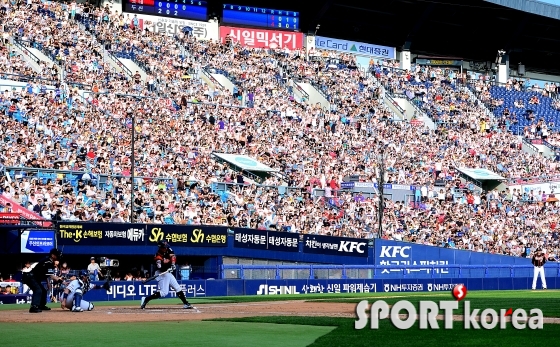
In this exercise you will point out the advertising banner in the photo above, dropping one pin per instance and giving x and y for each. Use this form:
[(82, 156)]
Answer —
[(354, 47), (23, 212), (126, 290), (173, 26), (439, 62), (262, 38), (267, 240), (423, 259), (320, 244), (9, 218), (37, 241), (99, 234), (188, 235), (115, 234)]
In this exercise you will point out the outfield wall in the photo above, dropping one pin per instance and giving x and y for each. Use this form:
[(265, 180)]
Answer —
[(211, 288)]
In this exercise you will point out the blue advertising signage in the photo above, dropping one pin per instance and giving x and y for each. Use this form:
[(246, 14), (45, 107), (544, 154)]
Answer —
[(267, 240), (37, 241), (354, 47), (430, 261), (321, 244)]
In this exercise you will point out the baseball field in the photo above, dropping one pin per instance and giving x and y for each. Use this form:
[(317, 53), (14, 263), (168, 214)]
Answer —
[(277, 320)]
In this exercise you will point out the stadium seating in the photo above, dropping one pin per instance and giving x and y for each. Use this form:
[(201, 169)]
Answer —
[(71, 146)]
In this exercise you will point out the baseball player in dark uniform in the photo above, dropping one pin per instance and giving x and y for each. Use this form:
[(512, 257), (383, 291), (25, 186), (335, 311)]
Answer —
[(165, 263), (38, 273), (538, 262)]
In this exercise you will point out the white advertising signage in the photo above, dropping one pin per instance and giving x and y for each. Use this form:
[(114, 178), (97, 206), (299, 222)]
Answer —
[(172, 26)]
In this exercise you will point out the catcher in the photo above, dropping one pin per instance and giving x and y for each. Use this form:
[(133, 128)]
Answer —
[(76, 289)]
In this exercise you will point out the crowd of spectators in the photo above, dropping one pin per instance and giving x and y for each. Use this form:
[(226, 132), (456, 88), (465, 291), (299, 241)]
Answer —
[(179, 121)]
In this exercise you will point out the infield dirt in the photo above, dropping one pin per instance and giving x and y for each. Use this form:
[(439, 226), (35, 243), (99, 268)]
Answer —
[(154, 312)]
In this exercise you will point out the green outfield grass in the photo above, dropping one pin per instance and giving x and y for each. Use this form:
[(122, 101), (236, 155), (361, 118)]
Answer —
[(294, 331), (176, 334), (345, 335)]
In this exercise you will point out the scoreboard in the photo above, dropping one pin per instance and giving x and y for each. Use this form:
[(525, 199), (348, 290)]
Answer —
[(260, 17), (183, 9)]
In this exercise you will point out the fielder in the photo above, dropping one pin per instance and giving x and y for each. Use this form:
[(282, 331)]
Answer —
[(75, 290), (538, 262), (165, 263)]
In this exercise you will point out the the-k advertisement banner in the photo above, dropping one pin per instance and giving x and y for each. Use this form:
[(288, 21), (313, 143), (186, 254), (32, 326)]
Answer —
[(115, 234), (320, 244)]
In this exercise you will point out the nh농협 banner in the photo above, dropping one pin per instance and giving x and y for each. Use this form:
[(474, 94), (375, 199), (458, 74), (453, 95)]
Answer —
[(321, 244), (266, 240), (261, 38), (37, 241)]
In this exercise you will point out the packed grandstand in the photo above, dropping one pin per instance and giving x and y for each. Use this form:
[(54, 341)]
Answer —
[(66, 154)]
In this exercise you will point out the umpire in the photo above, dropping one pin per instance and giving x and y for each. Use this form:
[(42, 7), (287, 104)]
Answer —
[(38, 272)]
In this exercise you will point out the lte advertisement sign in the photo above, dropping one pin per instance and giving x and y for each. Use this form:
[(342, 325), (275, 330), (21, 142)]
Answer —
[(37, 241), (354, 47)]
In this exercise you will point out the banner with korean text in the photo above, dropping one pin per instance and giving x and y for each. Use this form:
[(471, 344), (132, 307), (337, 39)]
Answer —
[(267, 240), (173, 26), (188, 235), (261, 38), (37, 241), (320, 244), (116, 234), (354, 47)]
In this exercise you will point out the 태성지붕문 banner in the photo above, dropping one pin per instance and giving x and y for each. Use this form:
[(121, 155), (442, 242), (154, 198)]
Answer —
[(266, 240)]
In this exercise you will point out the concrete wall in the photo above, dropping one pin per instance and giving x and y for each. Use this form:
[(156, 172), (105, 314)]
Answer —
[(409, 112), (224, 81), (133, 67), (314, 95)]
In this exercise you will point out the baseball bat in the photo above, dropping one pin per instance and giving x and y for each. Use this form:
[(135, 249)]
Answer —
[(154, 276)]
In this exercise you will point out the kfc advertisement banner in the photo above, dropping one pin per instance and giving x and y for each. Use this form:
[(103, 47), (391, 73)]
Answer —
[(261, 38)]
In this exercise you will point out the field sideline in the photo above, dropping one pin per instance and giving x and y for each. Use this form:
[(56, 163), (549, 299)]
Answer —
[(283, 331)]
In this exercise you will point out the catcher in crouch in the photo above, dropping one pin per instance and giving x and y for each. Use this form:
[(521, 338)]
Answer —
[(165, 263), (76, 289)]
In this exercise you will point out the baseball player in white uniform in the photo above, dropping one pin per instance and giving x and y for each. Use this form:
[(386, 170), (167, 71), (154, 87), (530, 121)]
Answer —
[(538, 262), (75, 290), (165, 263)]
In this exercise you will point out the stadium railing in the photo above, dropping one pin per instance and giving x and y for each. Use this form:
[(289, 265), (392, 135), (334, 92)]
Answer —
[(382, 271)]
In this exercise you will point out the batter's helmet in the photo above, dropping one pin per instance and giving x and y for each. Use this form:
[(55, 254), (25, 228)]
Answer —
[(163, 243), (84, 273)]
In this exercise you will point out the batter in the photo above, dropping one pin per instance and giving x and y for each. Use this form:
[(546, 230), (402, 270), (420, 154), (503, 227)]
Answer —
[(165, 263)]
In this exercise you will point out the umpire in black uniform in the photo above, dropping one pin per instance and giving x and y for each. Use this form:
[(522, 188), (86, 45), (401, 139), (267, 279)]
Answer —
[(38, 273)]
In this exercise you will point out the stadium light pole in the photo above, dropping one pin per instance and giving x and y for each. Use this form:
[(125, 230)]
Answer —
[(132, 160), (381, 188)]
